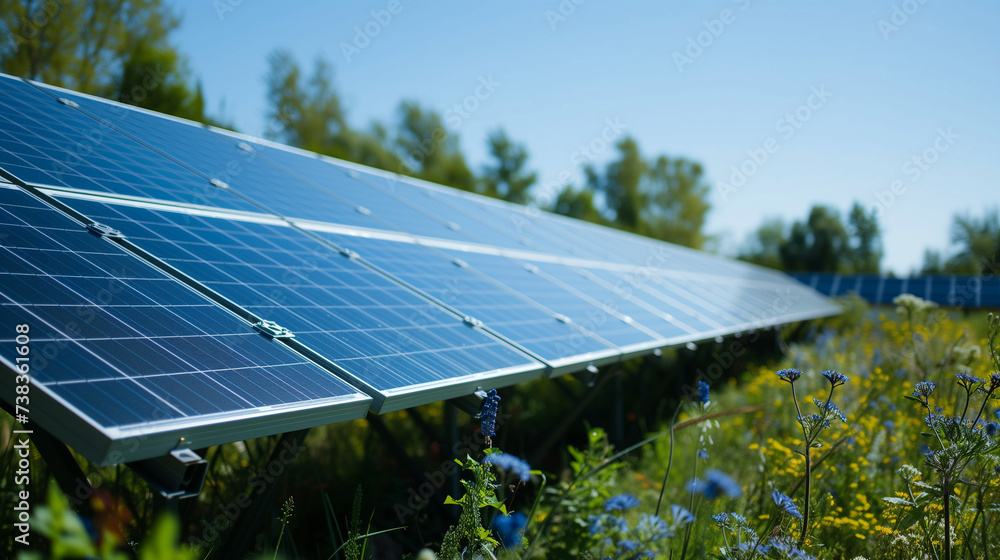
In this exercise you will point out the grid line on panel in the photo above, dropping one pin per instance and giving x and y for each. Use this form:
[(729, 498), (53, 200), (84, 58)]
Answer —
[(377, 330), (609, 326), (124, 344), (43, 142), (509, 313)]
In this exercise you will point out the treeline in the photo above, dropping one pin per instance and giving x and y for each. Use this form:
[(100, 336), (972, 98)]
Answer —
[(121, 49)]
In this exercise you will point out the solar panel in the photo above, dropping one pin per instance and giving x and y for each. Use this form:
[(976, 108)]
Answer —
[(398, 346), (45, 142), (398, 292), (502, 309), (128, 363)]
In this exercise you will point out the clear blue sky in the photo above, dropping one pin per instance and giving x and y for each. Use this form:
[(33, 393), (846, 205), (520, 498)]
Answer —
[(896, 80)]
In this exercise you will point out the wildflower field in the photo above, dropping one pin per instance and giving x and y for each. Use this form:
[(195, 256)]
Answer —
[(875, 436)]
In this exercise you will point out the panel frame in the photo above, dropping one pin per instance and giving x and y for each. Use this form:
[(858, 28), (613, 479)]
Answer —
[(382, 400), (113, 445)]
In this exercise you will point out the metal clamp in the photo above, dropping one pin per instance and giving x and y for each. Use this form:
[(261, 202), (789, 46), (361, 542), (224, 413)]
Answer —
[(69, 103), (245, 147), (180, 474), (219, 183), (271, 329), (472, 321), (353, 255), (102, 230)]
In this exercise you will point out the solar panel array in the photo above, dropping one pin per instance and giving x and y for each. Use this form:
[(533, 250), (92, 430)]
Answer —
[(948, 290), (193, 286)]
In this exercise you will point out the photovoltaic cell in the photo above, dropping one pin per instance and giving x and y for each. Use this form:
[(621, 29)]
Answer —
[(44, 142), (380, 333), (503, 310), (127, 348), (580, 310), (368, 196)]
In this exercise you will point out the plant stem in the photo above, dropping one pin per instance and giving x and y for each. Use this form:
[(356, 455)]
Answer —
[(687, 530), (805, 510), (946, 496), (670, 459)]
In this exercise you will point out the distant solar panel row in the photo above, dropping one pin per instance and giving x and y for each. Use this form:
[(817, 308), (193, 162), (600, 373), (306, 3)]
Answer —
[(947, 290), (408, 292)]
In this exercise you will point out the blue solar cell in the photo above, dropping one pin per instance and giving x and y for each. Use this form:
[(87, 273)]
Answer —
[(503, 310), (636, 308), (640, 285), (443, 207), (112, 337), (990, 292), (380, 333), (367, 196), (558, 299), (43, 142)]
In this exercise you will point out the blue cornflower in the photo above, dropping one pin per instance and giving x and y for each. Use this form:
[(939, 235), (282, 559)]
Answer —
[(968, 380), (721, 519), (835, 377), (491, 404), (739, 518), (747, 546), (653, 526), (604, 523), (785, 503), (992, 428), (681, 515), (924, 390), (702, 454), (790, 374), (621, 502), (510, 528), (715, 484), (511, 463), (627, 545), (810, 421), (789, 550), (703, 392), (829, 409)]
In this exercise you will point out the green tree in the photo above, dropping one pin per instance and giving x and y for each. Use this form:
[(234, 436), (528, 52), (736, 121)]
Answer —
[(763, 247), (820, 244), (865, 241), (577, 204), (306, 111), (111, 48), (676, 202), (979, 243), (620, 184), (428, 150), (507, 177)]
